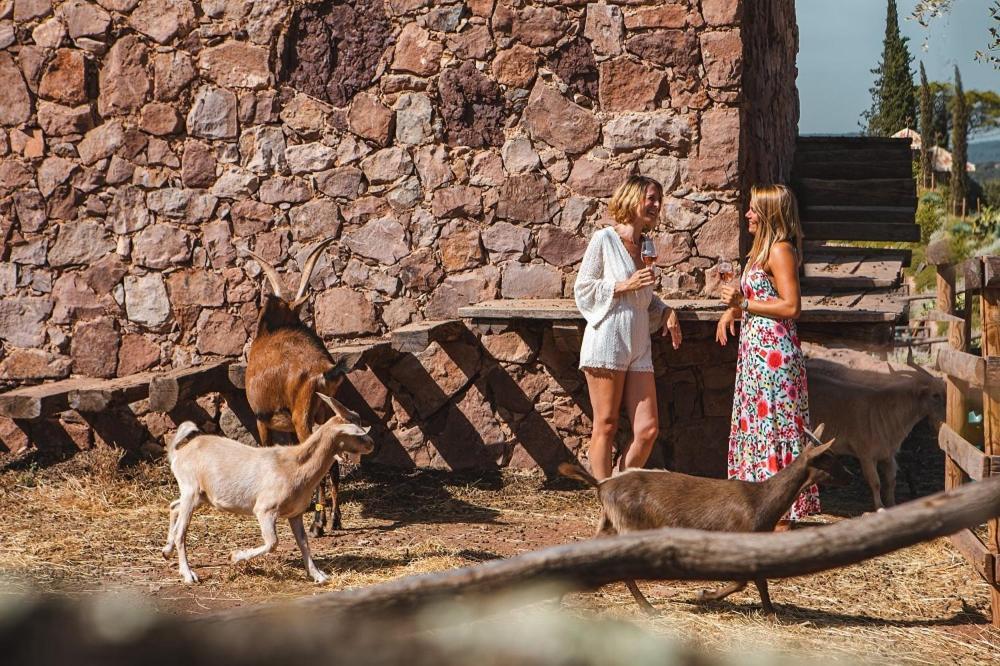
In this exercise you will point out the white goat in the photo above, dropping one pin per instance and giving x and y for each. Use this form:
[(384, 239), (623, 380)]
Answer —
[(269, 483), (870, 410)]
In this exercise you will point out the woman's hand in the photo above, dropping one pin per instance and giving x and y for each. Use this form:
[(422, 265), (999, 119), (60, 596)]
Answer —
[(731, 296), (726, 327), (641, 278), (672, 327)]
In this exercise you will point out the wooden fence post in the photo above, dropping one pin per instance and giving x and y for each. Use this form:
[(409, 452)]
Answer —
[(990, 303), (957, 409)]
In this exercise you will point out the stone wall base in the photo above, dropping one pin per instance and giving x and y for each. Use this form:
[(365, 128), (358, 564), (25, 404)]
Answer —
[(482, 402)]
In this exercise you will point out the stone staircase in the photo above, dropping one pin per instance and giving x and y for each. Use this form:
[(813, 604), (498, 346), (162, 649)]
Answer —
[(854, 189)]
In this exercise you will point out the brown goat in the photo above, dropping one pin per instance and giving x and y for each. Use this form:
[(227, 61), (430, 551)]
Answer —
[(287, 365), (642, 499)]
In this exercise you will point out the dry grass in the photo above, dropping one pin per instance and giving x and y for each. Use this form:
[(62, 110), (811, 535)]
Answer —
[(89, 525)]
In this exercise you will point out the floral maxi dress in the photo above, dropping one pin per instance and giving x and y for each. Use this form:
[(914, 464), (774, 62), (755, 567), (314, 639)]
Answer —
[(771, 401)]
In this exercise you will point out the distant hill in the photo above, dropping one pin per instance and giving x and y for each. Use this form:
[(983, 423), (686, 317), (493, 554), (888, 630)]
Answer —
[(986, 156), (984, 152)]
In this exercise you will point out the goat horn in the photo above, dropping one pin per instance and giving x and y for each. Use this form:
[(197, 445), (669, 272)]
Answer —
[(272, 276), (310, 265), (813, 438)]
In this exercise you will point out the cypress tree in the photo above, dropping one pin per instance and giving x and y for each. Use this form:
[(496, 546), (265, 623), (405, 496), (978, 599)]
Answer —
[(926, 128), (942, 115), (893, 99), (959, 144)]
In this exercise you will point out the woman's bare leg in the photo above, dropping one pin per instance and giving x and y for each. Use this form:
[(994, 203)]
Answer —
[(640, 405), (605, 388)]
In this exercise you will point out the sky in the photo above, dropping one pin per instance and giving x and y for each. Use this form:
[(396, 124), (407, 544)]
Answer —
[(840, 41)]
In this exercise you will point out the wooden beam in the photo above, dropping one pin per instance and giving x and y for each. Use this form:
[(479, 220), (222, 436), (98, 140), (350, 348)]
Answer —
[(416, 337), (971, 460), (971, 271), (989, 301), (966, 367), (390, 623), (352, 356), (852, 169), (875, 214), (983, 561), (991, 467), (865, 231), (991, 271), (937, 315), (567, 336), (87, 394), (956, 405), (859, 310), (873, 191), (93, 400), (679, 554), (166, 390), (826, 141), (237, 376), (884, 254), (94, 395)]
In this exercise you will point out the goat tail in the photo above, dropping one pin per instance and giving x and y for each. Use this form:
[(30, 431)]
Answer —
[(185, 431), (576, 471)]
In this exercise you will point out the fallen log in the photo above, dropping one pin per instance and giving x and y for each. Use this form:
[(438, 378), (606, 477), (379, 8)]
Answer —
[(676, 554)]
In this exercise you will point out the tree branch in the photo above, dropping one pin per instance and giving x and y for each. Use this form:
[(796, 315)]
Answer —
[(679, 554)]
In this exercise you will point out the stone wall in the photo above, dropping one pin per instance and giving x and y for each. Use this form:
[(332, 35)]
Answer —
[(518, 398), (458, 151)]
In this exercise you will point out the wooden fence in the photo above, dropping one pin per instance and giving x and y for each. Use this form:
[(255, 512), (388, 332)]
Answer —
[(972, 280)]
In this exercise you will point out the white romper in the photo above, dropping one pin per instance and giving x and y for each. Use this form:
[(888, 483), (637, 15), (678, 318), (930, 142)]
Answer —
[(617, 335)]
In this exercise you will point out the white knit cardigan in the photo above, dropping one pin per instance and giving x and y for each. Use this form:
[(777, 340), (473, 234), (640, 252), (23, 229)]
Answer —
[(605, 263)]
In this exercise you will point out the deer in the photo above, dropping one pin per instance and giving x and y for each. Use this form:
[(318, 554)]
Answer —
[(641, 499), (288, 366)]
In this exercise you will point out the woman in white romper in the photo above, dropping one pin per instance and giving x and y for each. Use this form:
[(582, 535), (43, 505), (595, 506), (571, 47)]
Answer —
[(615, 295)]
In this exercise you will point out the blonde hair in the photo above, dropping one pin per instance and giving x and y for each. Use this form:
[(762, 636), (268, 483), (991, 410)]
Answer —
[(627, 199), (778, 220)]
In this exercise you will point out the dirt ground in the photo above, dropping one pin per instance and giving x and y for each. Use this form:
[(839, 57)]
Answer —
[(90, 524)]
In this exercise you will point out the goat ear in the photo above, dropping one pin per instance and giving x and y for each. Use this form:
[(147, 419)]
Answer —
[(354, 430), (338, 407), (818, 432), (298, 302)]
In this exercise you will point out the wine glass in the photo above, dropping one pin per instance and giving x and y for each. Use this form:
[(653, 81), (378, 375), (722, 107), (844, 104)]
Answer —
[(726, 271), (648, 251)]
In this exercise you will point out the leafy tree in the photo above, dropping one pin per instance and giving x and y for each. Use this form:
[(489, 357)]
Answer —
[(984, 111), (983, 108), (959, 142), (926, 128), (893, 103), (927, 10), (992, 53), (941, 122)]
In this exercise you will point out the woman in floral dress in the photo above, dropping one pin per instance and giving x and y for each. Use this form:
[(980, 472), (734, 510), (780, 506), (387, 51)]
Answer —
[(771, 401)]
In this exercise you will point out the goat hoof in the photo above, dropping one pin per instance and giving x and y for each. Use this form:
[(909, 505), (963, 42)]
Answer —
[(191, 578), (316, 531), (649, 611), (167, 550), (319, 578)]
